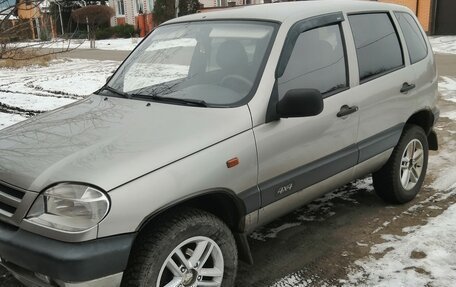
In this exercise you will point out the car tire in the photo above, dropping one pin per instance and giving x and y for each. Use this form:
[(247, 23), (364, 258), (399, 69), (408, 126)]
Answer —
[(401, 178), (189, 247)]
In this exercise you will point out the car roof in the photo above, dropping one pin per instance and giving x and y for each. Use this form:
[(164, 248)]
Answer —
[(279, 12)]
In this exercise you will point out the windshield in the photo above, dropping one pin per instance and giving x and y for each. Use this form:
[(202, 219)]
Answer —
[(214, 62)]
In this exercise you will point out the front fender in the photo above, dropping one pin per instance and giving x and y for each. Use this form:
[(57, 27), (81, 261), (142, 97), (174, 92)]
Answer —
[(135, 201)]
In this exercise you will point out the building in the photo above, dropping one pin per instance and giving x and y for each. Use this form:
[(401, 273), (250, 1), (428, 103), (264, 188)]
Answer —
[(127, 11), (438, 17), (224, 3)]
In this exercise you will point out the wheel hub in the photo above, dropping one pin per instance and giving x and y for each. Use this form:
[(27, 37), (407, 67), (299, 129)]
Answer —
[(189, 277), (198, 261), (412, 163)]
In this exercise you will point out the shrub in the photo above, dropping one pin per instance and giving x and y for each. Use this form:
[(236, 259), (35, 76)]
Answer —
[(124, 31), (105, 33), (121, 31), (45, 35)]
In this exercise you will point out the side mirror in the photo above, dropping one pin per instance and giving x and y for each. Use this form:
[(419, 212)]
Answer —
[(300, 103)]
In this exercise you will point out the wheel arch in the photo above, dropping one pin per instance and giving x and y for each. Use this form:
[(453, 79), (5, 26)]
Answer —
[(221, 202), (425, 119)]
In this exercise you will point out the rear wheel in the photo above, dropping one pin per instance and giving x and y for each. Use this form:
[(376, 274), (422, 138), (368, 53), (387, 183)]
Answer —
[(193, 248), (401, 178)]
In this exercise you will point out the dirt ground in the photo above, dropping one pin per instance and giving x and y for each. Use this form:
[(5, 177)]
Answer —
[(340, 228)]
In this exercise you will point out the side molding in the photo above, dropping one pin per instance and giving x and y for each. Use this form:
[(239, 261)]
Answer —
[(377, 144)]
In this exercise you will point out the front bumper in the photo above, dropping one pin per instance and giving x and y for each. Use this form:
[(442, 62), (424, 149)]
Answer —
[(54, 263), (32, 279)]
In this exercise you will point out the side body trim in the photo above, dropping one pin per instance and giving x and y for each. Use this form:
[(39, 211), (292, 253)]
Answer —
[(251, 198), (307, 175), (379, 143)]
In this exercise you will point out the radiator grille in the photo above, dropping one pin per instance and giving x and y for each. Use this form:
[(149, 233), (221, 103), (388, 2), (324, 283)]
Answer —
[(14, 203)]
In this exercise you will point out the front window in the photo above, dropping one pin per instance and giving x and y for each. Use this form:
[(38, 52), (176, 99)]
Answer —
[(316, 62), (215, 62)]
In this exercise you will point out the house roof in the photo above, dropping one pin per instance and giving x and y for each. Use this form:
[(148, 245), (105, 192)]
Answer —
[(279, 12)]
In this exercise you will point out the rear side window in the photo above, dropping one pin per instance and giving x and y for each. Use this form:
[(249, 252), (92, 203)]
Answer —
[(416, 45), (377, 44), (317, 62)]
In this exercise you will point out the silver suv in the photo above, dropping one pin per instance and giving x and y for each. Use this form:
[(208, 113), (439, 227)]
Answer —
[(215, 124)]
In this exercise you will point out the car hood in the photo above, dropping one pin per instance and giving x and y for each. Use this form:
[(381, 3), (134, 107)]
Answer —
[(107, 142)]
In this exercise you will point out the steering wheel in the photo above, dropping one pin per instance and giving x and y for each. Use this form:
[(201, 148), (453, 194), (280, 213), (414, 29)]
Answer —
[(237, 83)]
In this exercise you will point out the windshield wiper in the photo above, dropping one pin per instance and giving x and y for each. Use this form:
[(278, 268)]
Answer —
[(192, 102), (114, 91)]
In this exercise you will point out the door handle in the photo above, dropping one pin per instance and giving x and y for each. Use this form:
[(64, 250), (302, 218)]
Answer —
[(346, 110), (407, 87)]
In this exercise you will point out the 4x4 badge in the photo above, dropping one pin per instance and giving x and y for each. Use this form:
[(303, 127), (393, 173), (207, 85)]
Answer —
[(285, 189)]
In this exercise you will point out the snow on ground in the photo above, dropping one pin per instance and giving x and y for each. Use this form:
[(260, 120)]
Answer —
[(419, 258), (27, 91), (33, 102), (443, 44), (318, 210), (297, 280), (447, 88), (109, 44), (10, 119)]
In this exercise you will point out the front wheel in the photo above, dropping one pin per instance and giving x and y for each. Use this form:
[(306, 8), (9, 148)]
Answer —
[(401, 178), (190, 249)]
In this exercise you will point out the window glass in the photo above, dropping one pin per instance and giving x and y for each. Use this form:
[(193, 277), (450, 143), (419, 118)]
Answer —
[(150, 5), (317, 62), (377, 44), (217, 62), (414, 39), (139, 6), (249, 45), (120, 7)]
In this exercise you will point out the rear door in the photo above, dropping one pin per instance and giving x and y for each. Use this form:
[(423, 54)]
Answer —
[(421, 60), (385, 83)]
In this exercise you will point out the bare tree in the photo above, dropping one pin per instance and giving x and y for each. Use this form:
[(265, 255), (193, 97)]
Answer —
[(94, 16), (21, 20)]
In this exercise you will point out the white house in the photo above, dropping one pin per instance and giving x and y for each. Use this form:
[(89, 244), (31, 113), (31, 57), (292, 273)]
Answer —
[(128, 10)]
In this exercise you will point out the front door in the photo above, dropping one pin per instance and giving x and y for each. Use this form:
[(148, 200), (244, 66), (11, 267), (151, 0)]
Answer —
[(295, 153)]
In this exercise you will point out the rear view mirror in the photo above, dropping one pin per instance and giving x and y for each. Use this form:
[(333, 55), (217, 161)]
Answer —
[(300, 103)]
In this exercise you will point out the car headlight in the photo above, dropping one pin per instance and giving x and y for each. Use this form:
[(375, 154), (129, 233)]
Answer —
[(69, 207)]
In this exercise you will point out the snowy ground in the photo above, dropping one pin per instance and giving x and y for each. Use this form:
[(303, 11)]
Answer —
[(109, 44), (440, 44), (32, 90), (415, 257), (443, 44)]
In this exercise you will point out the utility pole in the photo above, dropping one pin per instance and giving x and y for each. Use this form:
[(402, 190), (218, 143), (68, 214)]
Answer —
[(177, 8), (60, 15)]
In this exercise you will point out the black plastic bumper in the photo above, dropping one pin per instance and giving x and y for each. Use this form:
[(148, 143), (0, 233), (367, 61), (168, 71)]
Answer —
[(70, 262)]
